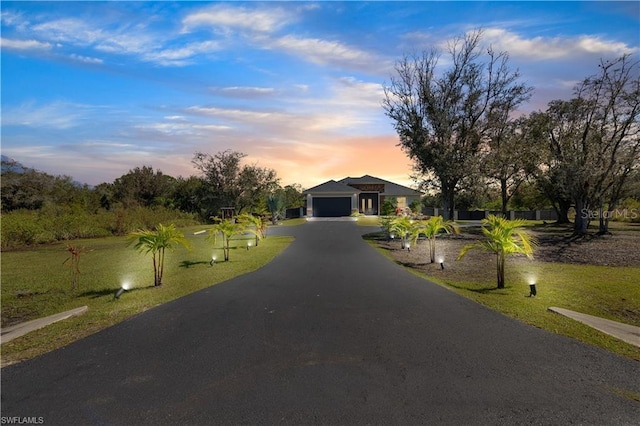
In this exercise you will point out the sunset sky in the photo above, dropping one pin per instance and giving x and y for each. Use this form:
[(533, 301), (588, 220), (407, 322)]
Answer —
[(94, 89)]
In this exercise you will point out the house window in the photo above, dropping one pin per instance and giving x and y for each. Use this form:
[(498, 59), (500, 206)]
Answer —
[(402, 202)]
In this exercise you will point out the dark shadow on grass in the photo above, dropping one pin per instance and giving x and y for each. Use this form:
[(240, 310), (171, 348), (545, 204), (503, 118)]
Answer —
[(376, 236), (190, 263), (411, 264), (484, 290), (94, 294)]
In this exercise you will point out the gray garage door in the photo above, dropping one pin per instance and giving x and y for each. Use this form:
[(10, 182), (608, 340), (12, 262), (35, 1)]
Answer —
[(331, 206)]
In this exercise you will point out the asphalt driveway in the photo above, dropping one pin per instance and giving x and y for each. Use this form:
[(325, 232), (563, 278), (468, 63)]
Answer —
[(328, 333)]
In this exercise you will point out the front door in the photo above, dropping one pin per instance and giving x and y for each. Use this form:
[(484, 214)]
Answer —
[(368, 203)]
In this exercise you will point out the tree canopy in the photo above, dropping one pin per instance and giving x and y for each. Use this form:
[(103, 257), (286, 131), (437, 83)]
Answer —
[(226, 182), (442, 119), (591, 142)]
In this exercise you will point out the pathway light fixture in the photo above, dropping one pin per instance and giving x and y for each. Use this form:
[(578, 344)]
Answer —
[(125, 286)]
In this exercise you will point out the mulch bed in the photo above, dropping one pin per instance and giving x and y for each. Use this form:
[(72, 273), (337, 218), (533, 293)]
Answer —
[(620, 249)]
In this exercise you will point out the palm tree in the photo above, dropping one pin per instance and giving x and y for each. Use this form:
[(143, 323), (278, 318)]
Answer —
[(228, 229), (504, 238), (432, 228), (404, 228), (260, 226), (156, 242), (276, 205)]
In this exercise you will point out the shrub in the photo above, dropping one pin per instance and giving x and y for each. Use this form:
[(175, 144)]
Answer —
[(62, 223), (389, 206)]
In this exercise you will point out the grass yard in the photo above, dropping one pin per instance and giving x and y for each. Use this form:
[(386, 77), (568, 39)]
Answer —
[(293, 222), (37, 283), (368, 221), (607, 291)]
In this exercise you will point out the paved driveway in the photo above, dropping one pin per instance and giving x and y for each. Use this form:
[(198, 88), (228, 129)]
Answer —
[(329, 333)]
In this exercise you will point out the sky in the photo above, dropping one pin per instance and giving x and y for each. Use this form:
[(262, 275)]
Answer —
[(92, 90)]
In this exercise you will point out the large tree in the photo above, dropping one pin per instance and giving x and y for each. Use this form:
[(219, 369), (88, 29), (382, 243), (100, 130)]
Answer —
[(442, 118), (229, 183), (592, 141), (26, 188), (509, 156), (256, 183), (142, 186)]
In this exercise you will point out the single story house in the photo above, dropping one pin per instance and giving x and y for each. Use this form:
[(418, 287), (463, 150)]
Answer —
[(365, 194)]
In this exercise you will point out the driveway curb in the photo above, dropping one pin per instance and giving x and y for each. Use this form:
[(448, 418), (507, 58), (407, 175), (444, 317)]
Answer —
[(625, 332), (10, 333)]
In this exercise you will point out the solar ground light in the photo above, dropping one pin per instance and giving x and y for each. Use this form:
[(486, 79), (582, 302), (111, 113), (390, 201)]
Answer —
[(248, 245), (532, 288), (125, 286), (441, 262), (213, 260)]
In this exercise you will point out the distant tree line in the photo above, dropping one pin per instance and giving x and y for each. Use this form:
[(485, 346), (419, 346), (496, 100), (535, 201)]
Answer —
[(461, 129), (38, 207)]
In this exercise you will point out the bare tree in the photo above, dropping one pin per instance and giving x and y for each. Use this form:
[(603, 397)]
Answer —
[(441, 120)]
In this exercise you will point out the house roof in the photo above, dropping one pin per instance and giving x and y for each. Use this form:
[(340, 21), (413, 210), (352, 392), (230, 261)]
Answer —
[(390, 188), (332, 187)]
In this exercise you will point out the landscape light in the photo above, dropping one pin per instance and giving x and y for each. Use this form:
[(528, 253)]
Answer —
[(408, 247), (532, 288), (213, 260), (441, 262), (125, 286), (248, 245)]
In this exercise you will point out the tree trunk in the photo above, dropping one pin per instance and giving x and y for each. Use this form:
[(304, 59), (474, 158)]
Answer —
[(432, 249), (448, 204), (500, 268), (562, 210), (155, 272), (581, 223), (604, 218), (226, 249), (160, 266), (504, 196)]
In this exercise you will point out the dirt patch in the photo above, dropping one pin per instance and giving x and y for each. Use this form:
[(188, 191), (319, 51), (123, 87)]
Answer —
[(619, 249)]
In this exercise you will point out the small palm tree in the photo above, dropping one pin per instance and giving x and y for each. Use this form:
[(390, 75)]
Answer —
[(504, 238), (385, 223), (156, 242), (432, 227), (403, 227), (228, 228), (259, 225)]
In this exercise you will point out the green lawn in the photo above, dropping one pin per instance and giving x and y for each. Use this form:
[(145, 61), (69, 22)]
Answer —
[(37, 283), (292, 222), (604, 291), (368, 221)]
